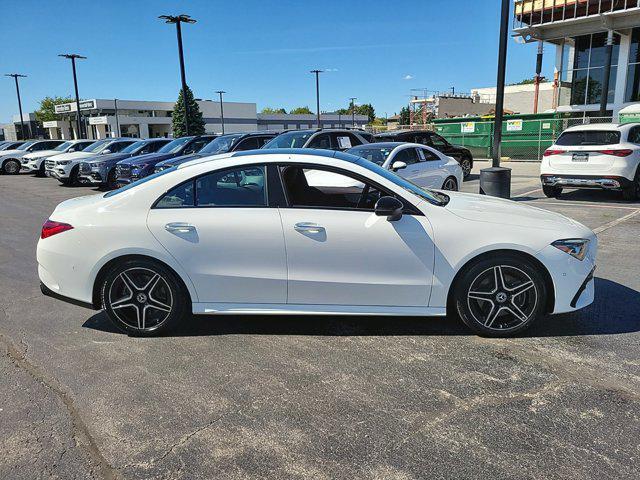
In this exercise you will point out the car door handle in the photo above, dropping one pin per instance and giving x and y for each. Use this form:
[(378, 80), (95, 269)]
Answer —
[(308, 227), (179, 227)]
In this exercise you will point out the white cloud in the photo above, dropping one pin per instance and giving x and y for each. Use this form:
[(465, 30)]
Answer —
[(330, 69), (408, 77)]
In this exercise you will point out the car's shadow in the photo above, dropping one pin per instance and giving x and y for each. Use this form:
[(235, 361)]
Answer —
[(616, 310)]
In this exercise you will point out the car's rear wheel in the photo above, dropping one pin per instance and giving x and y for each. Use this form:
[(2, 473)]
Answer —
[(143, 297), (551, 192), (465, 164), (450, 184), (632, 192), (111, 179), (11, 166), (500, 296)]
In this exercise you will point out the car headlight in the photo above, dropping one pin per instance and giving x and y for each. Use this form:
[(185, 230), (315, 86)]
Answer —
[(64, 162), (576, 247), (96, 164)]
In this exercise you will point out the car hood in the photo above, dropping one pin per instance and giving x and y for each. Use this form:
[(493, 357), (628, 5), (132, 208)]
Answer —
[(150, 158), (10, 152), (112, 157), (75, 155), (41, 153), (483, 208), (178, 160)]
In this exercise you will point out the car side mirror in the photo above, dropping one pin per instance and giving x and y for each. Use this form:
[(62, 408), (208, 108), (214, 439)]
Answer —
[(389, 207), (106, 151), (398, 166)]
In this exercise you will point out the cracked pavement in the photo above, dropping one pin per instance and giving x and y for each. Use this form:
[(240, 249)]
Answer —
[(321, 397)]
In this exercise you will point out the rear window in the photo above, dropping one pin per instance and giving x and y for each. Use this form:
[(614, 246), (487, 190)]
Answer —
[(589, 137)]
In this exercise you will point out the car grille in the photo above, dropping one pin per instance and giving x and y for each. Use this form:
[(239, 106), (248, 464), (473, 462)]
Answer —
[(123, 170), (49, 164), (84, 167)]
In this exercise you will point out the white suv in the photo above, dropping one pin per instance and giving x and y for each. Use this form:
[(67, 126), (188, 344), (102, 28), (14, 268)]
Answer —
[(34, 162), (65, 167), (602, 156)]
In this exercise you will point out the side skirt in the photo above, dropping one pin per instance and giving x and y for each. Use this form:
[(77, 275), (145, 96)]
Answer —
[(291, 309)]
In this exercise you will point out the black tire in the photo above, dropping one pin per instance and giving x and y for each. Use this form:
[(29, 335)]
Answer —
[(551, 192), (111, 180), (451, 184), (500, 308), (41, 171), (11, 166), (126, 296), (466, 163), (73, 177), (632, 192)]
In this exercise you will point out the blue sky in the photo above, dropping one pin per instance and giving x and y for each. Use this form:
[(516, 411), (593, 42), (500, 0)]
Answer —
[(258, 51)]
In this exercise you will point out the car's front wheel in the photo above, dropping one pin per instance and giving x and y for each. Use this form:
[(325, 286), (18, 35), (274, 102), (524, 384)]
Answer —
[(500, 296), (632, 192), (450, 184), (11, 166), (143, 297), (466, 165)]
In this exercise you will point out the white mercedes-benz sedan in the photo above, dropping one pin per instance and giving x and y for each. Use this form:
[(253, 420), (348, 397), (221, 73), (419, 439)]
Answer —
[(246, 233)]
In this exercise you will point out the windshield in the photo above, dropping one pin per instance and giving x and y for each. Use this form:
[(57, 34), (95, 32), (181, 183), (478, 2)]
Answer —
[(24, 146), (377, 155), (62, 147), (430, 196), (589, 137), (289, 140), (175, 145), (133, 147), (139, 182), (96, 146), (221, 144)]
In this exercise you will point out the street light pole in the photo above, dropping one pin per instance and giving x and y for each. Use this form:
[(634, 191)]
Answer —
[(15, 77), (496, 181), (317, 73), (221, 92), (178, 20), (73, 57), (353, 110), (115, 107)]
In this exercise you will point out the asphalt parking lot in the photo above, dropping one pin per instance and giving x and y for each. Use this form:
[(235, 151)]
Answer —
[(320, 397)]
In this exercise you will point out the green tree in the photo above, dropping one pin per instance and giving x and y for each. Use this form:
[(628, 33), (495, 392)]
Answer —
[(46, 112), (366, 109), (405, 117), (273, 111), (343, 111), (196, 122), (301, 111)]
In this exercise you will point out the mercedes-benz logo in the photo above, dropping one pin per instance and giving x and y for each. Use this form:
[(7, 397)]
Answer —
[(141, 297), (501, 297)]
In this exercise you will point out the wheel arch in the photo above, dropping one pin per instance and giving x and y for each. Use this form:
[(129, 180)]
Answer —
[(517, 253), (100, 276)]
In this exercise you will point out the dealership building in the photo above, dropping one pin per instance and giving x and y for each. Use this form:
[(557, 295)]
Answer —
[(582, 31)]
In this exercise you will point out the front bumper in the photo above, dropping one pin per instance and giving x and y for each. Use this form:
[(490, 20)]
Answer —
[(29, 167), (603, 182)]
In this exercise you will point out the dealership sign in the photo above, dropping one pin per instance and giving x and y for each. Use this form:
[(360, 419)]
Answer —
[(98, 121), (50, 124), (84, 105)]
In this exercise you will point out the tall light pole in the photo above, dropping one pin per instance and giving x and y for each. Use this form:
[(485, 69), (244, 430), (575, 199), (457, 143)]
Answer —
[(73, 57), (15, 77), (353, 110), (496, 181), (179, 19), (317, 73), (115, 107), (221, 92)]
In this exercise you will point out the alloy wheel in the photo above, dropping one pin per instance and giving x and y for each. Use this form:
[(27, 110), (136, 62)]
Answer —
[(466, 167), (450, 184), (12, 167), (502, 298), (140, 298)]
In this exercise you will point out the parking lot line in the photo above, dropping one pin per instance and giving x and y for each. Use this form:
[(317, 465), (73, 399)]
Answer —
[(570, 204), (615, 222), (528, 193)]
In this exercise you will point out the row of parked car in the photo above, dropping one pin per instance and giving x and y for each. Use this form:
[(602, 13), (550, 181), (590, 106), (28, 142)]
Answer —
[(423, 157)]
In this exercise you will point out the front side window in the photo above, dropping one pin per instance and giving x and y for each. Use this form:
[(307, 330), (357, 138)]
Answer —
[(289, 140), (250, 143), (196, 146), (438, 142), (221, 144), (175, 145), (96, 147), (407, 155), (118, 146), (134, 147), (316, 187), (322, 140), (63, 146), (238, 187)]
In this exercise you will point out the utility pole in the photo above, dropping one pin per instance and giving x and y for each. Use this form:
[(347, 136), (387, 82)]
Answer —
[(353, 110), (317, 73), (221, 92), (115, 107), (178, 20), (538, 77), (15, 77), (496, 181), (73, 57)]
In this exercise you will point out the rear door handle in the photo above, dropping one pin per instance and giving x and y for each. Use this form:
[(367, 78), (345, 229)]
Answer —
[(308, 227), (179, 227)]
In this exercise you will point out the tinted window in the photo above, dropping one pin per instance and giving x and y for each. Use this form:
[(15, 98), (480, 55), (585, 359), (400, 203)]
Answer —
[(322, 140), (589, 137), (117, 146), (222, 144), (238, 187), (438, 142), (428, 154), (289, 140), (180, 196), (634, 135), (63, 146), (134, 146), (174, 145), (373, 154), (408, 156), (196, 145), (320, 188), (95, 147), (250, 143)]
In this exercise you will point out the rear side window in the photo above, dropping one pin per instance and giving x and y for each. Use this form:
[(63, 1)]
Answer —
[(589, 137), (181, 196)]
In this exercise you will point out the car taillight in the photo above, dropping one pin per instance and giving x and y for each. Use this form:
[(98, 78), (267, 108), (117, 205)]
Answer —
[(617, 153), (550, 152), (53, 228)]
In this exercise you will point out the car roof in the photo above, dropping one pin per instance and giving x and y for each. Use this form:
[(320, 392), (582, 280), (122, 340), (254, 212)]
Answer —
[(382, 145), (600, 126), (394, 133)]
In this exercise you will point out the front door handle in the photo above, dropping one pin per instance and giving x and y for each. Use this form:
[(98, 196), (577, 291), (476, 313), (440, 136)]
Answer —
[(308, 227), (179, 227)]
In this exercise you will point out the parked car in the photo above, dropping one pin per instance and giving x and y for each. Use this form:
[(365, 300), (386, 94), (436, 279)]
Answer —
[(328, 139), (65, 167), (101, 170), (387, 247), (433, 140), (231, 142), (35, 162), (130, 170), (10, 159), (602, 156), (422, 165), (10, 145)]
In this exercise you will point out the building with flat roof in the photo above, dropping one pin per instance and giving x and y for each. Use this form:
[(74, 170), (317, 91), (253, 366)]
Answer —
[(597, 50), (517, 98), (287, 121)]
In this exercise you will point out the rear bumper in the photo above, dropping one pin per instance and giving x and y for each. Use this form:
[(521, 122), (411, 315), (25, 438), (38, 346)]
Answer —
[(50, 293), (603, 182)]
